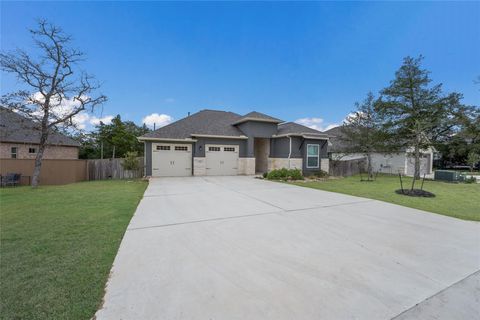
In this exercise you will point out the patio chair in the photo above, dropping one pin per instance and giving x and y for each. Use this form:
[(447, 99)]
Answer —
[(11, 179)]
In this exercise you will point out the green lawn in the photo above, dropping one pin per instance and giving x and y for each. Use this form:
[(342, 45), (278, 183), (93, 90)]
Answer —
[(58, 244), (455, 200)]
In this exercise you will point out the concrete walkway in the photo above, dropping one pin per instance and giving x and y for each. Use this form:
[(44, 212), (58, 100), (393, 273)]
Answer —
[(243, 248)]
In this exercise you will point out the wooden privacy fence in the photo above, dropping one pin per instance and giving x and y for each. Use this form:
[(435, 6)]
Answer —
[(101, 169), (56, 171), (345, 168)]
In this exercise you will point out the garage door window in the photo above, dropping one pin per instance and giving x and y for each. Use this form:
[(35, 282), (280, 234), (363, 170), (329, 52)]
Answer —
[(313, 155), (181, 148), (213, 148), (163, 147), (230, 149)]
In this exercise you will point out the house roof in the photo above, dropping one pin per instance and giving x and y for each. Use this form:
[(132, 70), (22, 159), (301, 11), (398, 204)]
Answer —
[(215, 123), (257, 116), (18, 129), (335, 136), (291, 128), (205, 122), (340, 145)]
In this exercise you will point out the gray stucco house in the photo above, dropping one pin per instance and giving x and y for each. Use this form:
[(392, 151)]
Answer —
[(212, 142)]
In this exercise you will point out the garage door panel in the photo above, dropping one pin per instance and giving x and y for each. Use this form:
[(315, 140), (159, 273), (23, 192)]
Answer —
[(171, 160), (221, 160)]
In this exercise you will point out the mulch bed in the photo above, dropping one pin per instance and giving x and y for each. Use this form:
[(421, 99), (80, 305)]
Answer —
[(415, 193)]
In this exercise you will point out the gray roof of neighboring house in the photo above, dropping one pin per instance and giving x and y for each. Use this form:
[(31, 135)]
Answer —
[(18, 129), (340, 145), (257, 116), (206, 122), (337, 144), (295, 128)]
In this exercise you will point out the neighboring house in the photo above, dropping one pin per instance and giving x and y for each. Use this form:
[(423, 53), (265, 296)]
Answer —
[(19, 139), (212, 142), (383, 162)]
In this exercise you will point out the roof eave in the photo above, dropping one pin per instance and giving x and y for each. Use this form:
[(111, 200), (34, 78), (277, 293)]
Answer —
[(199, 135), (303, 135)]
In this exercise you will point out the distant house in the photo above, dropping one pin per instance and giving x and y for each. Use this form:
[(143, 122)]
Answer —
[(19, 139), (393, 163), (214, 142)]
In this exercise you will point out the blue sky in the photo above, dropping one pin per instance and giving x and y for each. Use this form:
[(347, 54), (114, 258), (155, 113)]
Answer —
[(289, 60)]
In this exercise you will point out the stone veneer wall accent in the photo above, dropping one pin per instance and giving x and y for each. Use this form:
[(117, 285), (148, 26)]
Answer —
[(278, 163), (246, 166), (199, 166), (325, 164), (51, 152)]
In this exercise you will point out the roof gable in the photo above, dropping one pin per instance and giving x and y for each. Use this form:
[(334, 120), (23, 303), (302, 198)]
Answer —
[(257, 116), (295, 128)]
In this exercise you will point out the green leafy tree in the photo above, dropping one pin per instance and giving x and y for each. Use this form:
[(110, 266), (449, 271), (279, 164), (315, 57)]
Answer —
[(456, 148), (119, 137), (363, 133), (418, 112), (472, 159)]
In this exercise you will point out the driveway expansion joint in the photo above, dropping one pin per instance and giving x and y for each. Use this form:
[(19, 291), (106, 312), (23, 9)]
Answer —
[(435, 294)]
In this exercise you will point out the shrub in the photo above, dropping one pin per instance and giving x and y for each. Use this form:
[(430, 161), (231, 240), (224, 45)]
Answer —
[(130, 162), (470, 180), (285, 174), (321, 174)]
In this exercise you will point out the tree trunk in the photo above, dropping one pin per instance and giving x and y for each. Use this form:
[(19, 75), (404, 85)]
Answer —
[(369, 166), (39, 159), (416, 154)]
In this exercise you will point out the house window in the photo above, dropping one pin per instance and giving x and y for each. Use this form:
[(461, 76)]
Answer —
[(181, 148), (32, 150), (313, 155), (213, 148), (230, 149), (13, 152), (163, 148)]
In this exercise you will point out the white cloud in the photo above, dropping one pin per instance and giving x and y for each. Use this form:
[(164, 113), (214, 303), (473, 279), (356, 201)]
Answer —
[(169, 100), (61, 107), (96, 121), (316, 123), (159, 120)]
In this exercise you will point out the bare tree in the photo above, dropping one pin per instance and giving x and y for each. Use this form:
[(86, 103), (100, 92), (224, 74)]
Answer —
[(55, 90)]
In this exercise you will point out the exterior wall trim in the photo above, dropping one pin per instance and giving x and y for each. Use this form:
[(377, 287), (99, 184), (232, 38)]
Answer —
[(142, 139), (217, 136)]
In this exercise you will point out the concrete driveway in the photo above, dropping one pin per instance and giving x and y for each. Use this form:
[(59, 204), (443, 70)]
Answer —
[(243, 248)]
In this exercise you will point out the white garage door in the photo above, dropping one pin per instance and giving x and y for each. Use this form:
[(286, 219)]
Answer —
[(221, 160), (171, 160)]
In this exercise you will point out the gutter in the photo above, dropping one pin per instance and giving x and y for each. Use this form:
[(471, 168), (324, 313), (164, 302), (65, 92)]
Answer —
[(217, 136), (143, 139), (290, 151)]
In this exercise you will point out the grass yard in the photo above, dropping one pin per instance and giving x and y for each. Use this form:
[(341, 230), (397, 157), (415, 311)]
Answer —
[(454, 200), (58, 244)]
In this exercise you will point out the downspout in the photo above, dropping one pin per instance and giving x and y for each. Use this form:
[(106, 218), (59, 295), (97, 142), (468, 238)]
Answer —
[(290, 151)]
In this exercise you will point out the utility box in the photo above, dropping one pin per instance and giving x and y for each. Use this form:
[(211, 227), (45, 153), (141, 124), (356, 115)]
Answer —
[(447, 175)]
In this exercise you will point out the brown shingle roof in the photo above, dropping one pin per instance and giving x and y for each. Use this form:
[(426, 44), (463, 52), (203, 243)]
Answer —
[(18, 129)]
